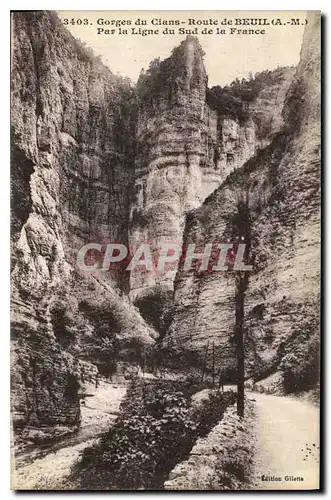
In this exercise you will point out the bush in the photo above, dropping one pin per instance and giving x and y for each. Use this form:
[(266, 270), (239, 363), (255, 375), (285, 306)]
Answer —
[(156, 429), (163, 80), (211, 411), (234, 472), (300, 368)]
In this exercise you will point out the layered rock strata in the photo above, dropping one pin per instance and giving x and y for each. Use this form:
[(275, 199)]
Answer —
[(95, 160), (210, 463), (185, 150), (280, 187), (72, 164)]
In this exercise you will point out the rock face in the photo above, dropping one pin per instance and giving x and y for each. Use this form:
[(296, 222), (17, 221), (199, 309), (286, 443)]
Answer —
[(260, 118), (279, 190), (174, 164), (186, 149), (71, 173), (70, 114)]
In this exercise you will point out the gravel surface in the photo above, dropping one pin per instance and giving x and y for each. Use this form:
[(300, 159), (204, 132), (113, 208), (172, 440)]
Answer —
[(287, 433), (51, 469)]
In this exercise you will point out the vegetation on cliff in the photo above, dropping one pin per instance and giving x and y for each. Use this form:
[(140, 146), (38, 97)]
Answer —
[(231, 101), (163, 80), (74, 127)]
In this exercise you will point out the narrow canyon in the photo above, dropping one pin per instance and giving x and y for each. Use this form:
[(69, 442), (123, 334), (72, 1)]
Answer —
[(98, 159)]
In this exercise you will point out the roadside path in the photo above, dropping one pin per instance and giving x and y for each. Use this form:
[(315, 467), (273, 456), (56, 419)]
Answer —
[(48, 468), (287, 443)]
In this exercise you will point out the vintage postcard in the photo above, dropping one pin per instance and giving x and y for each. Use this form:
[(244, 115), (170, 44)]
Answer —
[(165, 230)]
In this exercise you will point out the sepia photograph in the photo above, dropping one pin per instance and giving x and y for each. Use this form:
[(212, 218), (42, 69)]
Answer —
[(165, 250)]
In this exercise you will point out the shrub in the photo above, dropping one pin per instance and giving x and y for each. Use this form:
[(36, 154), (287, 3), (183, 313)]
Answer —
[(175, 357), (156, 429), (300, 368), (163, 79), (229, 101), (211, 412), (234, 471)]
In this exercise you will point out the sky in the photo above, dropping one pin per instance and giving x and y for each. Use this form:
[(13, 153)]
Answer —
[(226, 56)]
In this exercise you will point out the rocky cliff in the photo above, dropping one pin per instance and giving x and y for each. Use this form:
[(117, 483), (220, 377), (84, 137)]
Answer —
[(272, 202), (187, 144), (72, 170)]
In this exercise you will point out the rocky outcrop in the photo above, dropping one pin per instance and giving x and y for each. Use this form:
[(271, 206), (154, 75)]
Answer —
[(174, 152), (73, 126), (278, 190), (72, 169), (186, 149)]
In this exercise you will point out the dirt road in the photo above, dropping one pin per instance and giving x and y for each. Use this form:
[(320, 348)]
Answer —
[(287, 443), (49, 469)]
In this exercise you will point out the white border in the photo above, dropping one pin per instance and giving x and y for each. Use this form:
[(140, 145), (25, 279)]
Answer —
[(168, 5)]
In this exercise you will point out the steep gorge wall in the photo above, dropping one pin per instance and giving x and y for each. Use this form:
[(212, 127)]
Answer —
[(72, 171), (174, 138), (74, 118), (280, 188), (185, 150), (240, 137)]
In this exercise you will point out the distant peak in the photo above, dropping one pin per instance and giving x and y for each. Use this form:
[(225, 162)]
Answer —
[(192, 40)]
